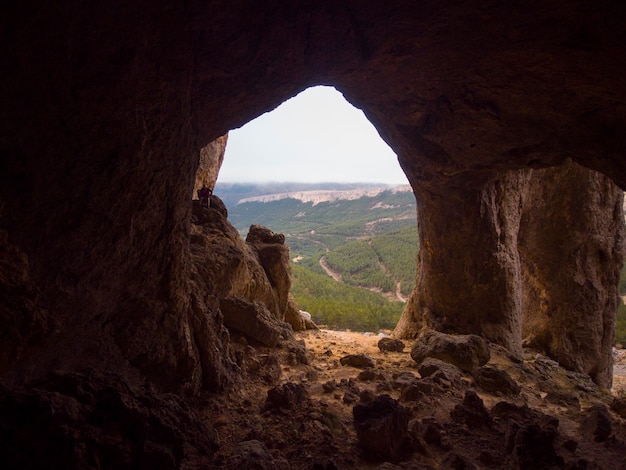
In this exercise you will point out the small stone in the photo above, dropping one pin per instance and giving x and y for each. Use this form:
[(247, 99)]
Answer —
[(360, 361), (329, 386), (391, 345), (251, 454), (440, 371)]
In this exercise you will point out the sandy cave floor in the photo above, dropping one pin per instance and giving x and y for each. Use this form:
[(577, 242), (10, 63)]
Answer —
[(319, 433)]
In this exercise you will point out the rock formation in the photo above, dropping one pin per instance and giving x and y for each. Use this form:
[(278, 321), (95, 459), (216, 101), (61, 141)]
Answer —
[(571, 244), (105, 111), (561, 227), (211, 158)]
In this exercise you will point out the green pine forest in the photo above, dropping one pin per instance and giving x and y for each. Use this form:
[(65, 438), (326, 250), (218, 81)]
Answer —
[(370, 242)]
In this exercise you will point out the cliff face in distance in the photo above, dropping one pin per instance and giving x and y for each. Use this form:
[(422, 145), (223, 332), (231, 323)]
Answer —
[(105, 112)]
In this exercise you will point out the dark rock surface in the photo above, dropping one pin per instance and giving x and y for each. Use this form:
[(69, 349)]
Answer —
[(440, 370), (391, 344), (466, 352), (360, 361), (286, 396), (382, 428), (580, 266), (492, 379), (88, 419), (254, 455), (472, 411), (596, 424), (250, 318)]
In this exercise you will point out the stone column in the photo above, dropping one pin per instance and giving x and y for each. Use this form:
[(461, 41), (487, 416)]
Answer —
[(468, 277), (571, 243)]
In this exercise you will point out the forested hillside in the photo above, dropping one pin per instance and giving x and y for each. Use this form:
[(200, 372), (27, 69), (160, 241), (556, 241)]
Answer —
[(340, 306), (369, 244)]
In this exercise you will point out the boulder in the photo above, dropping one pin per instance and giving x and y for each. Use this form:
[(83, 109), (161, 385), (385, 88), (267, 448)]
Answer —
[(439, 370), (596, 424), (391, 345), (252, 319), (467, 352), (286, 396), (254, 454), (293, 316), (273, 256), (381, 427), (472, 412), (619, 406), (532, 446), (491, 379)]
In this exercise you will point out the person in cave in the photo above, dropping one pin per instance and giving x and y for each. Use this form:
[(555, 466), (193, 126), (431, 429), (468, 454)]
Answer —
[(204, 194)]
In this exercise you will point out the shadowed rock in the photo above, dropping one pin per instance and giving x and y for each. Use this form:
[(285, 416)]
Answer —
[(391, 344), (596, 424), (381, 427), (286, 396), (439, 370), (472, 411), (360, 361), (252, 319), (254, 455), (464, 351), (492, 379), (71, 420)]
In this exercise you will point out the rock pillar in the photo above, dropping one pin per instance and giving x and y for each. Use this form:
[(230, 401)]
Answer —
[(571, 243), (468, 277)]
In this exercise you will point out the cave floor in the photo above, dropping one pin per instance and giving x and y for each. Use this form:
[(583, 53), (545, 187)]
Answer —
[(318, 432)]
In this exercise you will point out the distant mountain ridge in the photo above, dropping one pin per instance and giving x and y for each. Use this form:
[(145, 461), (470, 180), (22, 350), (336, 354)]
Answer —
[(327, 195), (233, 193)]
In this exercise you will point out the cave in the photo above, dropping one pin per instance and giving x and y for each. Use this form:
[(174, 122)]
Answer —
[(508, 120)]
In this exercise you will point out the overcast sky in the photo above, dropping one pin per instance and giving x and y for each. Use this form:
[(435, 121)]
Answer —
[(314, 137)]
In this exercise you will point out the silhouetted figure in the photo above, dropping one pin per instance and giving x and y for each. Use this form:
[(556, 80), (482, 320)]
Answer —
[(204, 194)]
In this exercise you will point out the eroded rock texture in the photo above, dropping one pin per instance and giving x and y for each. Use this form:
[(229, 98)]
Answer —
[(105, 110), (571, 244), (468, 279), (211, 158)]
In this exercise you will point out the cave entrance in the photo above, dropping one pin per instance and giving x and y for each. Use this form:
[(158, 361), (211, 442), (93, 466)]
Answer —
[(317, 170)]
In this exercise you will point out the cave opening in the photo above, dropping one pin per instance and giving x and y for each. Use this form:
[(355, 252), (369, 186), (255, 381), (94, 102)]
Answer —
[(352, 215)]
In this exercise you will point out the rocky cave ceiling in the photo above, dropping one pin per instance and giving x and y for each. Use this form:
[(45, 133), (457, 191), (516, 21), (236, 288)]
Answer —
[(105, 108)]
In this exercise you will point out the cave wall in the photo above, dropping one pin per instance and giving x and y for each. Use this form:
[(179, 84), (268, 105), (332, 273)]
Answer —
[(106, 108)]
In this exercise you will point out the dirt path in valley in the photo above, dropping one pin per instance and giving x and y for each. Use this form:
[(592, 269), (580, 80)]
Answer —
[(334, 274), (389, 295)]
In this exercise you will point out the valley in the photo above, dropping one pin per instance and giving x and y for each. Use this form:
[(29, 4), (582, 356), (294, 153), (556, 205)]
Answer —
[(345, 243)]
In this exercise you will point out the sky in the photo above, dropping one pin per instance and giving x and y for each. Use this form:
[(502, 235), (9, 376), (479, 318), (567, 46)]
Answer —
[(316, 136)]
